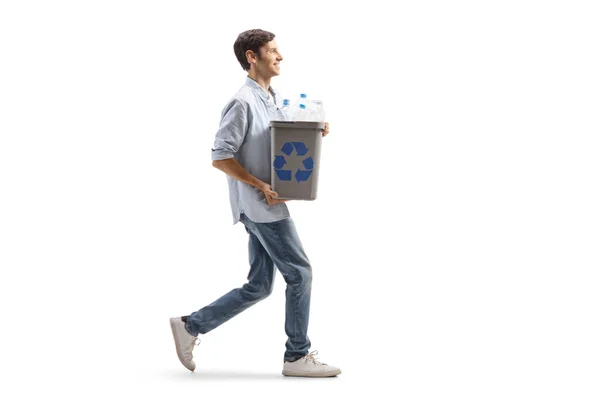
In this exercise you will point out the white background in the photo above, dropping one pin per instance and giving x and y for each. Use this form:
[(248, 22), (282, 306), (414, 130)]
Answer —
[(455, 239)]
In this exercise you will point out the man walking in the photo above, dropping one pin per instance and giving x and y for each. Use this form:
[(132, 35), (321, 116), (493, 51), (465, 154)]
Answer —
[(242, 149)]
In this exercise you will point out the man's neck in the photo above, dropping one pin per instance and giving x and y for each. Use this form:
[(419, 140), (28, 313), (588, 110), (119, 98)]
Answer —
[(264, 83)]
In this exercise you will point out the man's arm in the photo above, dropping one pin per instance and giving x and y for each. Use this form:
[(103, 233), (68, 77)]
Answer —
[(234, 169)]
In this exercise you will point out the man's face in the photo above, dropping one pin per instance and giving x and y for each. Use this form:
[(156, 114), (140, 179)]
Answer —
[(267, 63)]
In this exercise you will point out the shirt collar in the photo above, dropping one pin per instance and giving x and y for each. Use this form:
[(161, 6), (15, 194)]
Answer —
[(260, 90)]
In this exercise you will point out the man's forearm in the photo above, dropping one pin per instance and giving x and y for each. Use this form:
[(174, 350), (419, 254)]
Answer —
[(233, 168)]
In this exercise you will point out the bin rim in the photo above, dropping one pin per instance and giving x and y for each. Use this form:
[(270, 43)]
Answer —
[(297, 124)]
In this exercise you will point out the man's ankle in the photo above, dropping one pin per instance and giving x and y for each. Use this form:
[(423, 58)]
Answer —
[(186, 324)]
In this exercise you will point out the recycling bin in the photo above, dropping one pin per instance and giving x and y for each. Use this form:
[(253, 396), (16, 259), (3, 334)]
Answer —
[(295, 158)]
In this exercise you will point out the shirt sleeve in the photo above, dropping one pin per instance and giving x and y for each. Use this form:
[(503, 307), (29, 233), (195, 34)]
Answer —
[(232, 131)]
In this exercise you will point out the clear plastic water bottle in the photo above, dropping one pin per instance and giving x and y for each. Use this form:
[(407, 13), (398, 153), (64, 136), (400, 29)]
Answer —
[(301, 113), (301, 108), (317, 113), (303, 99), (320, 111), (286, 110)]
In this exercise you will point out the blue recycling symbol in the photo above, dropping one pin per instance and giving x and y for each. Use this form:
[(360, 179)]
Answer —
[(301, 175)]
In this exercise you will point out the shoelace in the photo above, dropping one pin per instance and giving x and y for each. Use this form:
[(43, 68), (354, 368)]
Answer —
[(311, 357), (195, 342)]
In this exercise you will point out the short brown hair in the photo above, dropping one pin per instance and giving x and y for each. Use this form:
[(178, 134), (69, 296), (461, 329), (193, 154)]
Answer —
[(253, 40)]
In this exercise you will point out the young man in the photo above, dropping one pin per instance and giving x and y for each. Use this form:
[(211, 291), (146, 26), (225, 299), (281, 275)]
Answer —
[(242, 149)]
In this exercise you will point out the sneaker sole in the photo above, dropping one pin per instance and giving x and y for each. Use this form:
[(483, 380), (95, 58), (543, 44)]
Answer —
[(321, 375), (177, 347)]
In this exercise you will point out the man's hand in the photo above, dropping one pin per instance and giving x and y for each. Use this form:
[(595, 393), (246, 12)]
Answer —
[(326, 130), (270, 194)]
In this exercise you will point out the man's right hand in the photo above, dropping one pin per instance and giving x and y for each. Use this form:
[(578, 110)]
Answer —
[(270, 195)]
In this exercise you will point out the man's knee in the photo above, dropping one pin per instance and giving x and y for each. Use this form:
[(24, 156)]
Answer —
[(303, 277), (257, 292), (308, 278), (265, 291)]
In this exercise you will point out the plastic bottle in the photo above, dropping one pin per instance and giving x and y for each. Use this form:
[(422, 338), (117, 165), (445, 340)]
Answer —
[(301, 114), (300, 109), (317, 113), (287, 110), (303, 99)]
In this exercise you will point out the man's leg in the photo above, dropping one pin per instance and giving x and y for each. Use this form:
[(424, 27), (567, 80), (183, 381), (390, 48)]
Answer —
[(258, 287), (283, 245)]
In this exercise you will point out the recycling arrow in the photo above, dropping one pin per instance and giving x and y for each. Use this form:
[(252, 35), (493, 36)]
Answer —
[(302, 176), (287, 148), (308, 163), (279, 162), (301, 148), (284, 174)]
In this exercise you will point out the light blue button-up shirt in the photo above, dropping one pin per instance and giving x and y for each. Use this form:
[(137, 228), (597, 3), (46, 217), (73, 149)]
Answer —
[(244, 134)]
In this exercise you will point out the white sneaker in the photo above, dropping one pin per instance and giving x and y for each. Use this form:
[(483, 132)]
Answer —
[(184, 343), (308, 366)]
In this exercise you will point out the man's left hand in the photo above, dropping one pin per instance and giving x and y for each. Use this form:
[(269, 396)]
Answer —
[(326, 130)]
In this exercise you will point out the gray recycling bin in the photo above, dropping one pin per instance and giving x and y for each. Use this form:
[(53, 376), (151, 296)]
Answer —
[(295, 158)]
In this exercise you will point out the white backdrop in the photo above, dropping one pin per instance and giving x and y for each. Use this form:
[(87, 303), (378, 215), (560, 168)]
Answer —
[(454, 241)]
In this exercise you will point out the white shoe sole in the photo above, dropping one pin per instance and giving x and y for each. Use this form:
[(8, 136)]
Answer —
[(327, 374)]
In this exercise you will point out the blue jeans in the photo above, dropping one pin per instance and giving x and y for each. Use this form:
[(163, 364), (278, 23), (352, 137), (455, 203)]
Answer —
[(271, 244)]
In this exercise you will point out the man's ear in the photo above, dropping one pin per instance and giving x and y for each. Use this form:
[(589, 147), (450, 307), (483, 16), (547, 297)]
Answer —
[(251, 56)]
